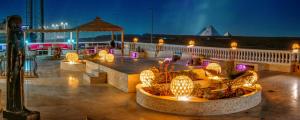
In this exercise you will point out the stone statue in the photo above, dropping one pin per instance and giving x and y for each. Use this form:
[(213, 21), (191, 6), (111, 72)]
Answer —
[(15, 109)]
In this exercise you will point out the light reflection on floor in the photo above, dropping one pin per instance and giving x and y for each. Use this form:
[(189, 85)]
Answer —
[(63, 95), (73, 82)]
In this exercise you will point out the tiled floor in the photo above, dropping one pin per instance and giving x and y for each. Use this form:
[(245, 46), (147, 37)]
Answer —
[(62, 95)]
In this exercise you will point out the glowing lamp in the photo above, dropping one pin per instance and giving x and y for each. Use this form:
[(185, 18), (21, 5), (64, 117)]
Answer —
[(161, 41), (109, 57), (214, 67), (147, 77), (135, 40), (234, 45), (295, 47), (72, 57), (191, 43), (102, 54), (182, 87)]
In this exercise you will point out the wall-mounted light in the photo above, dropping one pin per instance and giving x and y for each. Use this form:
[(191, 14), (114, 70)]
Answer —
[(135, 40), (233, 45), (191, 43), (161, 41), (295, 47)]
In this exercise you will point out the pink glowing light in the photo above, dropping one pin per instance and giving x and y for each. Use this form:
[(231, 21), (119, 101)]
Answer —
[(241, 67), (134, 55)]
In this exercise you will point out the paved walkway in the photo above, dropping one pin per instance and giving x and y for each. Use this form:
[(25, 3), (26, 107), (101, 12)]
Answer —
[(62, 95)]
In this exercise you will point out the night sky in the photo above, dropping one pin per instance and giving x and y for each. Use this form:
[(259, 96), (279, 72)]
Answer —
[(240, 17)]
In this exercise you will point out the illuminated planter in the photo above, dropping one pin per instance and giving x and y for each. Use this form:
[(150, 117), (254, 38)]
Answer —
[(109, 57), (72, 57), (146, 78), (102, 54), (182, 87), (198, 106)]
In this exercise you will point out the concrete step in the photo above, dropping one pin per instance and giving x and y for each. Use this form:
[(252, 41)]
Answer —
[(92, 79), (98, 73), (95, 72)]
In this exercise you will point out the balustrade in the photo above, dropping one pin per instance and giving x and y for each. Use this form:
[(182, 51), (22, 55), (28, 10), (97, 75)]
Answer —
[(247, 55)]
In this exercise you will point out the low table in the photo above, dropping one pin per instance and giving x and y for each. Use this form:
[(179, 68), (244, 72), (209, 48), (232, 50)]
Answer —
[(124, 72)]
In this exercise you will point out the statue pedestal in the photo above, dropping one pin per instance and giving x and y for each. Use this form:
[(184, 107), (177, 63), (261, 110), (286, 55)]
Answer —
[(26, 115)]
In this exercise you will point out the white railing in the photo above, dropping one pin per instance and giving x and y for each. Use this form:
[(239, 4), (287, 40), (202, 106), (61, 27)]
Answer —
[(246, 55)]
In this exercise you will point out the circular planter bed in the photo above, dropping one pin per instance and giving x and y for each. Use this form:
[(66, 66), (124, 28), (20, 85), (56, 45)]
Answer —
[(198, 106)]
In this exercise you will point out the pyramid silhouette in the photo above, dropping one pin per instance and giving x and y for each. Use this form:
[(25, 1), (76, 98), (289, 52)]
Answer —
[(228, 34), (209, 31)]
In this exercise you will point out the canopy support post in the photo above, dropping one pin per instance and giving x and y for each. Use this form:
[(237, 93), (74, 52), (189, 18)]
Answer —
[(112, 41), (122, 46), (77, 40), (112, 36)]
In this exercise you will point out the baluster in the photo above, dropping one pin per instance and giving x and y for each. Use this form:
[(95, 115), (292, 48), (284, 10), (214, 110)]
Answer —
[(255, 56), (291, 57), (244, 56), (266, 56), (272, 57), (240, 55), (287, 57), (280, 57), (284, 58), (298, 58), (251, 55), (277, 58), (259, 56)]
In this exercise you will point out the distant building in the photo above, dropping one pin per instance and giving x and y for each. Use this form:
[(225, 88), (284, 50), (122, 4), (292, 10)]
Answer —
[(2, 32)]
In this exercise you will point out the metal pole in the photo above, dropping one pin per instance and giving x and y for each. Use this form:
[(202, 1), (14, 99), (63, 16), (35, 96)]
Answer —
[(152, 20), (77, 41), (122, 47), (42, 20)]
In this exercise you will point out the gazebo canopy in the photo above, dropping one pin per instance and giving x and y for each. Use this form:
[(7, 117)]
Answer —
[(98, 25)]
